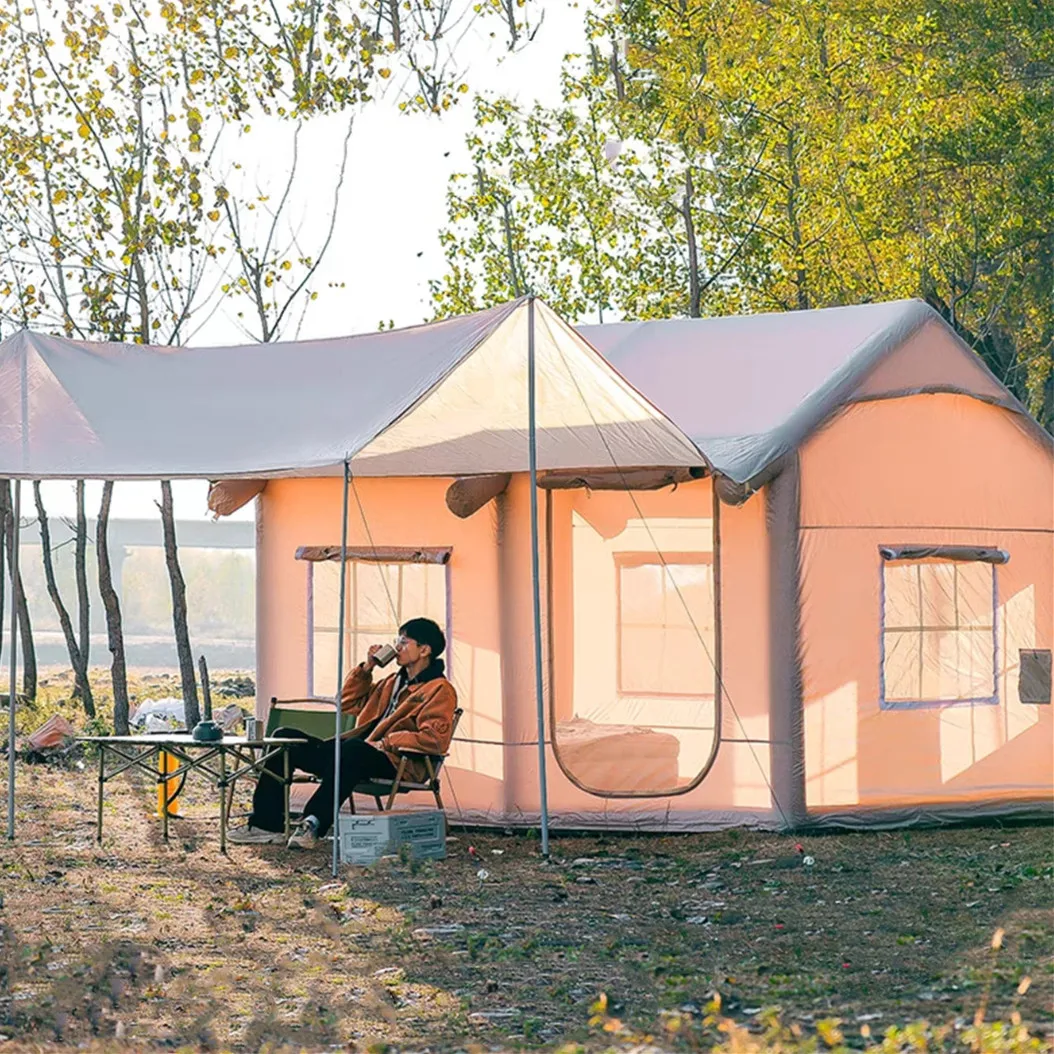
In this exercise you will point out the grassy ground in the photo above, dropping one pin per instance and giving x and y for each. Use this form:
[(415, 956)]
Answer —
[(690, 939)]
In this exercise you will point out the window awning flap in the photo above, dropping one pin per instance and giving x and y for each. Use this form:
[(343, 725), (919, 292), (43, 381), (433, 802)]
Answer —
[(619, 479), (389, 554), (466, 496), (975, 553)]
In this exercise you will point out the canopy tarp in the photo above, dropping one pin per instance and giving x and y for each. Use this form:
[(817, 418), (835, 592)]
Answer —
[(750, 389), (443, 399)]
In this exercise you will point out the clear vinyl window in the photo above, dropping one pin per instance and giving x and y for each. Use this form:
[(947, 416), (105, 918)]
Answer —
[(380, 598), (665, 626), (938, 633)]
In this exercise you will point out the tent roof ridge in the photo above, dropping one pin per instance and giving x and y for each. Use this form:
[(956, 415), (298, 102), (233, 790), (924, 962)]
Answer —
[(750, 389), (499, 311)]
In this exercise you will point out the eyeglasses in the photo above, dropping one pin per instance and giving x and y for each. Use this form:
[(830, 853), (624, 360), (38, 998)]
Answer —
[(401, 642)]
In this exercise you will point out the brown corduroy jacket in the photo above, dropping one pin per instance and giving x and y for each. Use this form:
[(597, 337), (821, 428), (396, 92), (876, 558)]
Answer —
[(422, 721)]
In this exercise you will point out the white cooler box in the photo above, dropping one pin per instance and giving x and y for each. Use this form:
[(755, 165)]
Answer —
[(365, 839)]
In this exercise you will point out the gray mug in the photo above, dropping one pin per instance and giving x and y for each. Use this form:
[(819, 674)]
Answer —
[(252, 729), (385, 655)]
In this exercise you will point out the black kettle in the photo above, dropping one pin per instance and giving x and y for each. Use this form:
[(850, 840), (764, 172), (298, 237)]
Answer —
[(206, 730)]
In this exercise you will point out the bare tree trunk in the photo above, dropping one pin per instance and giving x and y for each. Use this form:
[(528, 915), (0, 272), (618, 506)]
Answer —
[(179, 608), (616, 71), (510, 18), (514, 271), (695, 292), (77, 660), (801, 277), (110, 601), (25, 627), (80, 560)]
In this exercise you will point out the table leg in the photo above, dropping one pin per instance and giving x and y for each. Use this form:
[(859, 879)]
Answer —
[(223, 800), (285, 786), (102, 784), (163, 796)]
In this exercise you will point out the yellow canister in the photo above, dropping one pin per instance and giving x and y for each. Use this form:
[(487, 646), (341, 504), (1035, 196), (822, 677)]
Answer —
[(167, 790)]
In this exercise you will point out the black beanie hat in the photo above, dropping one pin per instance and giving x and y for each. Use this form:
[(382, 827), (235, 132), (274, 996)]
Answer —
[(425, 631)]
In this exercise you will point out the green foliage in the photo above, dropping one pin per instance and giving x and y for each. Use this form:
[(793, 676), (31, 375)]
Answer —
[(729, 156), (113, 119)]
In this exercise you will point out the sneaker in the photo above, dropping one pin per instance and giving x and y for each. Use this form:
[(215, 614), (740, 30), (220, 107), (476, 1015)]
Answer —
[(305, 834), (249, 835)]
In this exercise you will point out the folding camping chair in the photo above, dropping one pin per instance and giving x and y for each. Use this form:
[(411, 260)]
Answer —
[(394, 787), (315, 717), (312, 716)]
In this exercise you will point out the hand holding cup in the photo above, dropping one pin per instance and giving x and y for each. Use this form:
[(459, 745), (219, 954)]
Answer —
[(379, 655)]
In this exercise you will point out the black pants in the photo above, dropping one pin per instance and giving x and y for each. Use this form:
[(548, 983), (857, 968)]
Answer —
[(358, 762)]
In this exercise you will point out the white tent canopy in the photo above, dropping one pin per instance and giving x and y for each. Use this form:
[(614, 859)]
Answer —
[(447, 398)]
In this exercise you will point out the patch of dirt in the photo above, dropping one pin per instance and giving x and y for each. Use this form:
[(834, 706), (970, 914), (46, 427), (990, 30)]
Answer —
[(176, 945)]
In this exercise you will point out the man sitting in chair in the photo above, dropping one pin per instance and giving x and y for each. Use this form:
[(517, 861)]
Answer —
[(411, 710)]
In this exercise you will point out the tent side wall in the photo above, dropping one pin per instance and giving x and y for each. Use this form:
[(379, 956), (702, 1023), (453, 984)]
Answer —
[(492, 772), (894, 650)]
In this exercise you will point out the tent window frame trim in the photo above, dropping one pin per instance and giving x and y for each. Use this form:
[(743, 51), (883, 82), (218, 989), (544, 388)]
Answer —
[(375, 558), (954, 555)]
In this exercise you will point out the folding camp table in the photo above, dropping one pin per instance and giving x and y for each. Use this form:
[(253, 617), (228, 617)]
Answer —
[(143, 752)]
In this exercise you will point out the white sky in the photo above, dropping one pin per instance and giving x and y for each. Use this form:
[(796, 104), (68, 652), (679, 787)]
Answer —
[(386, 246)]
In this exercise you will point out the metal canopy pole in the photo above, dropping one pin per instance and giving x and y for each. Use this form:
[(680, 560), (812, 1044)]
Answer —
[(338, 718), (16, 513), (536, 589)]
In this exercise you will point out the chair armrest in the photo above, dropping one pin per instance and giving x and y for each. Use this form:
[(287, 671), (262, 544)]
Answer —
[(313, 700)]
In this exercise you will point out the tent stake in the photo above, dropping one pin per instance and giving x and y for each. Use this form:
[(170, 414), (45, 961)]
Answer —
[(16, 515), (337, 720), (536, 589)]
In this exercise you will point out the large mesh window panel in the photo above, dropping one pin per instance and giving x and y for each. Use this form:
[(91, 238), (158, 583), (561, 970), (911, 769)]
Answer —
[(633, 636)]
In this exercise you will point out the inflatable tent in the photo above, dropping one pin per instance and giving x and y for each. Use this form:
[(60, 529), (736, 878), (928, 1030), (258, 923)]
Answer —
[(793, 568), (849, 621), (901, 571)]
